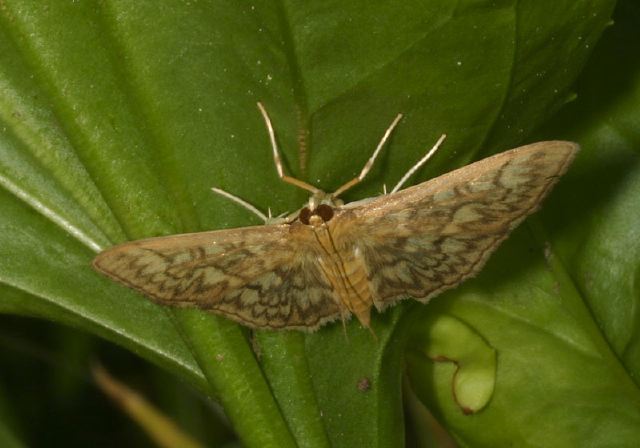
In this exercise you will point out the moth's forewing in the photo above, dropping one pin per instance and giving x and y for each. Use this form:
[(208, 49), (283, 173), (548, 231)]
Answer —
[(432, 236), (262, 277)]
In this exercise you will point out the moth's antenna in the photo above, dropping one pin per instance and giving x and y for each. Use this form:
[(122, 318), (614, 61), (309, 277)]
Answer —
[(369, 164), (421, 162), (241, 202), (278, 161)]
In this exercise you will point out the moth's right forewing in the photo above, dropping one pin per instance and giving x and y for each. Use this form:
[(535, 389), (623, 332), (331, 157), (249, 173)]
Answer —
[(432, 236), (534, 168)]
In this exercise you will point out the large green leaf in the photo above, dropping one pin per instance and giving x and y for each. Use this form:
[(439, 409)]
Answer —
[(566, 334), (7, 439), (119, 116)]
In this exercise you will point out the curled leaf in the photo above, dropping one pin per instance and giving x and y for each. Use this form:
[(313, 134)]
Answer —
[(444, 338)]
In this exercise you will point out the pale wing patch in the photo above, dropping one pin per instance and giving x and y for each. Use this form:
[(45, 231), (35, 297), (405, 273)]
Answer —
[(259, 276), (430, 237)]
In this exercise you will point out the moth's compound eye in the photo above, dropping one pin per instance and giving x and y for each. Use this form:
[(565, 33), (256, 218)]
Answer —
[(304, 215), (324, 211)]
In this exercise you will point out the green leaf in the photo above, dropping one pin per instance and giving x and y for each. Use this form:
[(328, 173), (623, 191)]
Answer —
[(564, 324), (7, 439), (443, 338), (118, 117), (597, 212)]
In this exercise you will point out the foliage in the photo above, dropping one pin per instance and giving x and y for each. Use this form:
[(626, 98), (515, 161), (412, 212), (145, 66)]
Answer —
[(118, 117)]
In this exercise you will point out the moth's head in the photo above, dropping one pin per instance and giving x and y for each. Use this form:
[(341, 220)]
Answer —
[(317, 216), (319, 209)]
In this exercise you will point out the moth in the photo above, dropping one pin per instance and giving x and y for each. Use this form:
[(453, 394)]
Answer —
[(330, 260)]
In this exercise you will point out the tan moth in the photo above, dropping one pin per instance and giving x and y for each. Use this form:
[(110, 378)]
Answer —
[(329, 260)]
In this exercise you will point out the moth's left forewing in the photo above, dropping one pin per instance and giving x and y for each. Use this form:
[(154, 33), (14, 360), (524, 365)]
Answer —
[(262, 277), (430, 237)]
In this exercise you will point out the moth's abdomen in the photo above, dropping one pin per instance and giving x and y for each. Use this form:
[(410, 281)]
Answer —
[(359, 295), (346, 271)]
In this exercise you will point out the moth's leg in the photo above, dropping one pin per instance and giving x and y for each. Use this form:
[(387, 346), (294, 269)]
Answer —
[(243, 203), (343, 318), (369, 164), (421, 162), (278, 161)]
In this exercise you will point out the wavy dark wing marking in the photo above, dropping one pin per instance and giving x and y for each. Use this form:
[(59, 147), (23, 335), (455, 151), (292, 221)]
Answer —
[(430, 237), (259, 276), (293, 296)]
